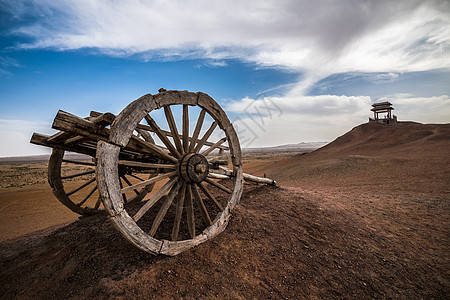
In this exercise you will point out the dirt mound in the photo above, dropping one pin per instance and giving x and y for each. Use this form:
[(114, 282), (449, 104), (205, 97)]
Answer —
[(280, 244), (389, 140), (408, 157)]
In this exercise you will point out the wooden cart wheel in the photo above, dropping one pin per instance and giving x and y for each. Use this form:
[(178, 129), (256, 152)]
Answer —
[(64, 177), (188, 205), (74, 183)]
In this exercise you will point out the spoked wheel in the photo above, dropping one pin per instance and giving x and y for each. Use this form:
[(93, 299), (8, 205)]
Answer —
[(74, 183), (188, 205)]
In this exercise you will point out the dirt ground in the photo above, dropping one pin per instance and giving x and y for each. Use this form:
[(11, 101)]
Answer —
[(354, 224)]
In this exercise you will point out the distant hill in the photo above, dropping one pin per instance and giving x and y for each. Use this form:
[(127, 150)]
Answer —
[(44, 157), (409, 155), (300, 147)]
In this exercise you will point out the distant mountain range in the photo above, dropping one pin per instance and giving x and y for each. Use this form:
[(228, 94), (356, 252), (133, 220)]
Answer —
[(300, 147)]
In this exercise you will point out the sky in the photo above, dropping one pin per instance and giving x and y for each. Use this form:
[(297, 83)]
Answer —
[(284, 71)]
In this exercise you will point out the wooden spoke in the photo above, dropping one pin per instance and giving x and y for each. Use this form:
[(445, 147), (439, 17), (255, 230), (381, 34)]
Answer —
[(200, 203), (163, 210), (218, 185), (124, 197), (173, 128), (87, 196), (209, 195), (205, 137), (138, 178), (190, 211), (154, 149), (162, 136), (78, 174), (149, 181), (145, 135), (218, 176), (198, 126), (154, 199), (139, 197), (97, 204), (186, 128), (78, 162), (129, 184), (211, 148), (82, 186), (178, 212), (132, 163)]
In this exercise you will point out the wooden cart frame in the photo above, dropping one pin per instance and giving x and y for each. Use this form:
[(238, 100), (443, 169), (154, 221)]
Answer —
[(183, 172)]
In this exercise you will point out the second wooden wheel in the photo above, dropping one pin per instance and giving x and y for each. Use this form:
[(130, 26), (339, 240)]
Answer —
[(188, 204)]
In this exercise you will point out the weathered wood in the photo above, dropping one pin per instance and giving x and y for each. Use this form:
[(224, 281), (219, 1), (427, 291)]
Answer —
[(214, 146), (59, 136), (190, 217), (218, 185), (178, 212), (111, 196), (129, 184), (87, 196), (81, 186), (154, 199), (205, 137), (42, 140), (185, 130), (201, 205), (209, 195), (146, 147), (162, 136), (169, 134), (218, 176), (149, 181), (164, 207), (173, 129), (197, 129), (78, 174), (139, 164), (77, 162)]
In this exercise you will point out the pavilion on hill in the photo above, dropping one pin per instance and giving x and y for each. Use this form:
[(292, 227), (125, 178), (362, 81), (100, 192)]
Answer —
[(385, 109)]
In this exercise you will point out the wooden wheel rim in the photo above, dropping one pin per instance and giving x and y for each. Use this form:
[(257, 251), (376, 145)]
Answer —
[(56, 182), (107, 169)]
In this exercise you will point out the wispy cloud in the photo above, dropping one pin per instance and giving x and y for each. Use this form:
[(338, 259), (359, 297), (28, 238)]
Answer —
[(316, 37)]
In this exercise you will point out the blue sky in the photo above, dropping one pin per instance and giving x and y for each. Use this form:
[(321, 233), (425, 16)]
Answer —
[(312, 66)]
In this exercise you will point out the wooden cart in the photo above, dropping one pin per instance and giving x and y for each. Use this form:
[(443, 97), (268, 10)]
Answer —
[(147, 174)]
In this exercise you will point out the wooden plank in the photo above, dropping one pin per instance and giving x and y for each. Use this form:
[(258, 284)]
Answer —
[(41, 139), (146, 147), (59, 136), (78, 162)]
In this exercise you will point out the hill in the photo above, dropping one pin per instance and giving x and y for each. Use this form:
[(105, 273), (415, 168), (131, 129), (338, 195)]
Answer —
[(364, 217), (406, 157)]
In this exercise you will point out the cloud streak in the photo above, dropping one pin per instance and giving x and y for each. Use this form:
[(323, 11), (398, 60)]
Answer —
[(316, 37)]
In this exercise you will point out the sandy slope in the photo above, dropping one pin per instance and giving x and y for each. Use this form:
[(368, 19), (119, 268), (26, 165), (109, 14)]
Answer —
[(364, 217)]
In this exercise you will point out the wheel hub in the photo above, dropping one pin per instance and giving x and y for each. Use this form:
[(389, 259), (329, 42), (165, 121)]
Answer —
[(193, 167)]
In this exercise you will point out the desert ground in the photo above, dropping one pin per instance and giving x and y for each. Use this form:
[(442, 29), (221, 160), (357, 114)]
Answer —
[(364, 217)]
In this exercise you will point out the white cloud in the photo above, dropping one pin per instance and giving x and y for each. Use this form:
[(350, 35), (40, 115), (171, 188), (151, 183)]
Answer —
[(293, 118), (16, 135), (317, 37)]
